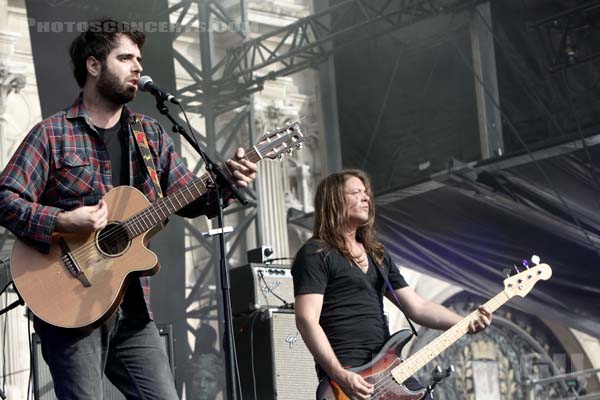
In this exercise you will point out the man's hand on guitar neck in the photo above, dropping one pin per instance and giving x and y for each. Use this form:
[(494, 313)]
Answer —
[(483, 321), (242, 169), (83, 219), (353, 385)]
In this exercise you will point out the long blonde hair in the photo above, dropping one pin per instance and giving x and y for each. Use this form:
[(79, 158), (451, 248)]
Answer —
[(331, 215)]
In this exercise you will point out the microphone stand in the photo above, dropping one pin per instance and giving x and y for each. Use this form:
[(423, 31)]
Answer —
[(220, 183)]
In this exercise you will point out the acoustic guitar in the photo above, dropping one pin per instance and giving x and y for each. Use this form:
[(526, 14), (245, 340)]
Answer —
[(81, 281)]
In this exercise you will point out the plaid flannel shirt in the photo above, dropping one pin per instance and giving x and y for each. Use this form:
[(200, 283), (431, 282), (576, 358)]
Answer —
[(63, 164)]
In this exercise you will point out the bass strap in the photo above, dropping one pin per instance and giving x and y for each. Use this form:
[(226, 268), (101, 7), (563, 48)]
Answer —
[(384, 275)]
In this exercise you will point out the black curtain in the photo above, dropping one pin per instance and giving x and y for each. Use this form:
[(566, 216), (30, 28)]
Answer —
[(468, 231)]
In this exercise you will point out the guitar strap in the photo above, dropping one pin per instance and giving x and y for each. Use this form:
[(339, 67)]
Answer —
[(142, 144), (384, 275)]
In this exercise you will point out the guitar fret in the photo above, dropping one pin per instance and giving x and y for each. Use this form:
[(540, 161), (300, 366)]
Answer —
[(131, 225), (442, 342), (177, 200), (283, 139), (163, 209), (146, 227), (192, 197), (129, 229), (170, 200)]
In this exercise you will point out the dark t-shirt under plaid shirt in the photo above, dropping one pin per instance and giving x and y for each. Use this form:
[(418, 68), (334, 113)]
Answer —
[(63, 164)]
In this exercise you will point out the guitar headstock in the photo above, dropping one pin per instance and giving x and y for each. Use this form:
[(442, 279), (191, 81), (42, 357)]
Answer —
[(522, 283), (277, 142)]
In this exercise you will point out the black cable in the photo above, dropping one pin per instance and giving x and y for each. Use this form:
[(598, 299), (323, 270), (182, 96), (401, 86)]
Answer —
[(580, 133), (196, 141), (262, 278), (29, 381), (540, 102), (4, 263), (518, 135), (253, 317), (252, 321), (528, 150), (270, 260), (5, 287), (210, 176), (5, 337)]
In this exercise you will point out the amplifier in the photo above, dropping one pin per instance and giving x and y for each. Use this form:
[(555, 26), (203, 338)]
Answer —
[(261, 285), (274, 362)]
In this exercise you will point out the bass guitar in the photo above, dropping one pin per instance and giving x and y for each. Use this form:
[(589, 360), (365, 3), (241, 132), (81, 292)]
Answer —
[(387, 371)]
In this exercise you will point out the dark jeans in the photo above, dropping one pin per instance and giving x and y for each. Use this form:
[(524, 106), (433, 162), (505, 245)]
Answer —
[(128, 351)]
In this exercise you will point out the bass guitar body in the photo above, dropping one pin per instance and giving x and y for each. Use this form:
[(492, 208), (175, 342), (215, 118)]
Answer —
[(387, 372), (377, 372)]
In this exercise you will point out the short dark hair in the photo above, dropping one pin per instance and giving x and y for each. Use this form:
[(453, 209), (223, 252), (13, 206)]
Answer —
[(97, 41)]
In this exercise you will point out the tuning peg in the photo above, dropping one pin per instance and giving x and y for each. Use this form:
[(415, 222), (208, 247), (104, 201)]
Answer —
[(535, 259), (525, 264), (506, 272), (516, 269)]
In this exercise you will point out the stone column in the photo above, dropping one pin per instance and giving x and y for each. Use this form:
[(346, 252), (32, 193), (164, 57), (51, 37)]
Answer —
[(270, 186), (13, 325), (10, 81), (271, 207)]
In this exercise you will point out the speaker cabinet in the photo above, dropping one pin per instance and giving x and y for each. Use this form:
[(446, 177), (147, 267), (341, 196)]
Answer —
[(43, 387), (260, 285), (273, 360)]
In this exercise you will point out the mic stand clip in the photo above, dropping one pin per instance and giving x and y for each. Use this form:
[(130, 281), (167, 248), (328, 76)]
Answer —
[(437, 375)]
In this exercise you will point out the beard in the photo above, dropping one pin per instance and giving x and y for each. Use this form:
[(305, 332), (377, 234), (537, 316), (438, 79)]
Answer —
[(112, 90)]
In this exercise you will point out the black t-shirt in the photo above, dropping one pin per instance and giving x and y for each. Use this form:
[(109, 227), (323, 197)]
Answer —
[(352, 314), (117, 144)]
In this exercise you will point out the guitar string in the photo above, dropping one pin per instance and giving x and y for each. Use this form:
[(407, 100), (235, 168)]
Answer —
[(113, 235), (388, 382), (461, 326), (89, 248), (110, 238), (139, 221), (493, 304), (256, 150)]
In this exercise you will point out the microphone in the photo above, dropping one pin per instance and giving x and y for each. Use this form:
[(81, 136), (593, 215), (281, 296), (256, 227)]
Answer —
[(145, 84)]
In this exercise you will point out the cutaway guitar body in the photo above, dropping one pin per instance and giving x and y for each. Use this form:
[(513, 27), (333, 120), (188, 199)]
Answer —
[(81, 281), (106, 260)]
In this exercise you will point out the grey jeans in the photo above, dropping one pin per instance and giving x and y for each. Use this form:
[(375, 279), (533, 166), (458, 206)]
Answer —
[(128, 351)]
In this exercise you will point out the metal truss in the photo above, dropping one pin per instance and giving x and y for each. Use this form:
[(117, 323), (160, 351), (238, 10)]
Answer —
[(302, 44), (221, 90), (310, 40), (570, 36), (227, 126)]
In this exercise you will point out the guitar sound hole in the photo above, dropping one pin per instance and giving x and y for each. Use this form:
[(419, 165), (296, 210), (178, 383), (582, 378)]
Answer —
[(112, 240)]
